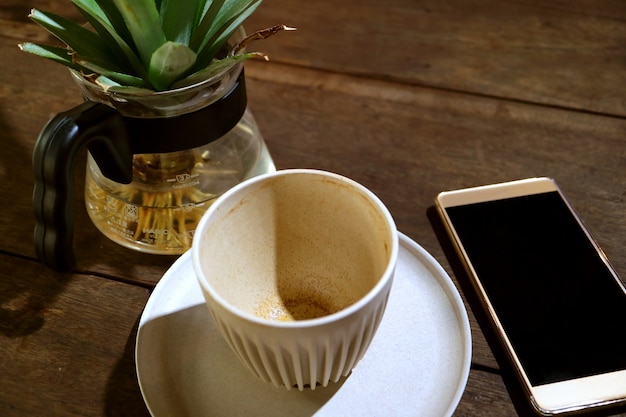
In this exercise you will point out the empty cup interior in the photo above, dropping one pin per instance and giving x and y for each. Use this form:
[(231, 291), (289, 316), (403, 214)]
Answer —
[(295, 247)]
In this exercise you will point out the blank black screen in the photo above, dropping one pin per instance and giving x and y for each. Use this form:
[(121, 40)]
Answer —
[(561, 308)]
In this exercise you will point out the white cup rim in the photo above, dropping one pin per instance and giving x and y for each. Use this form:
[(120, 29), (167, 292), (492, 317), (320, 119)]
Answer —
[(387, 275)]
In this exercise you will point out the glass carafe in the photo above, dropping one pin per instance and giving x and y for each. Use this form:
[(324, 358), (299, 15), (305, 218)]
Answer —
[(156, 162)]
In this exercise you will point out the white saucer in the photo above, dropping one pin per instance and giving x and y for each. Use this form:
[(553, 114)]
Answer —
[(417, 364)]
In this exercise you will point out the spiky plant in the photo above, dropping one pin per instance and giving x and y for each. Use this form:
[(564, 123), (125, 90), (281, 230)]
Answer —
[(138, 47), (153, 44)]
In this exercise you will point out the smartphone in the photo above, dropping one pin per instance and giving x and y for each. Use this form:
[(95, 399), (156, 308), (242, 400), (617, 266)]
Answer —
[(555, 302)]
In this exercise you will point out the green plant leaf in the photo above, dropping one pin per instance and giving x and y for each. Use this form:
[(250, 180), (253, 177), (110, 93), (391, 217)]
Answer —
[(169, 63), (102, 24), (149, 43), (144, 24), (119, 77), (81, 64), (229, 19), (207, 25), (106, 11), (109, 84), (77, 37), (203, 6), (53, 53), (215, 68), (178, 19)]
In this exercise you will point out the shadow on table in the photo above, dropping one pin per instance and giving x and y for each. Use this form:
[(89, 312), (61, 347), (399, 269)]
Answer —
[(513, 385), (27, 289), (123, 396)]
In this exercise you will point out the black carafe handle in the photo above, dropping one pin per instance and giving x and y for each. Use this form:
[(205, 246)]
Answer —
[(102, 129)]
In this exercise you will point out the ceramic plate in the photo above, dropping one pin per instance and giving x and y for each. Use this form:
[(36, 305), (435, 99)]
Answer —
[(417, 364)]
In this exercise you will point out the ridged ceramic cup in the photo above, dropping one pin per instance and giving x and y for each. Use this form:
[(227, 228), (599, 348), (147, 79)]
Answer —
[(296, 268)]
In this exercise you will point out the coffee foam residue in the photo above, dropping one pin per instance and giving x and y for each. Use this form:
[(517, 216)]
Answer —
[(295, 309)]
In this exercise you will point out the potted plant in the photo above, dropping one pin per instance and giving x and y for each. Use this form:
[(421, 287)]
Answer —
[(165, 121)]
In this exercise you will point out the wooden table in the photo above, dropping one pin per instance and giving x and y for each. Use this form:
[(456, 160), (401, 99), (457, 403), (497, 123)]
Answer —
[(407, 97)]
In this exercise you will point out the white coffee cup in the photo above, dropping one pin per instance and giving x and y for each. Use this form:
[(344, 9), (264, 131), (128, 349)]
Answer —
[(296, 268)]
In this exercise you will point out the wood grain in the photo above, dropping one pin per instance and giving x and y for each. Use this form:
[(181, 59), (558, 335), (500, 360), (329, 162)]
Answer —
[(409, 143), (66, 343), (405, 143), (409, 98), (568, 54)]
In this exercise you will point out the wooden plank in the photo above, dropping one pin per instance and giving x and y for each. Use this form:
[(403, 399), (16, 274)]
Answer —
[(462, 140), (409, 143), (566, 54), (67, 348), (372, 132), (15, 24), (67, 343), (486, 396), (368, 130), (563, 54), (380, 123)]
